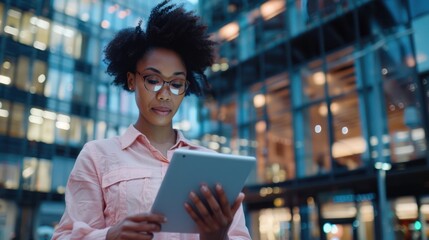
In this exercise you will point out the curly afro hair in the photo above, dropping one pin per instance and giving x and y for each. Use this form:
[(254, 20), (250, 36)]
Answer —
[(171, 27)]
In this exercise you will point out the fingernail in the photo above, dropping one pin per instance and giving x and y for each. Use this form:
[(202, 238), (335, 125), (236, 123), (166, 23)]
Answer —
[(204, 188), (218, 187)]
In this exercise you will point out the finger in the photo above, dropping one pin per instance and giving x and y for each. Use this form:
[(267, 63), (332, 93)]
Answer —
[(200, 223), (148, 217), (214, 205), (237, 203), (223, 200), (203, 212), (141, 226)]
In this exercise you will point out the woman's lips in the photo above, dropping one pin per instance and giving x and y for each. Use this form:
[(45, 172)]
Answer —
[(161, 110)]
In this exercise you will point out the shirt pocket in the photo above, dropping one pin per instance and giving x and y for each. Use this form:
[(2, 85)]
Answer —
[(128, 191)]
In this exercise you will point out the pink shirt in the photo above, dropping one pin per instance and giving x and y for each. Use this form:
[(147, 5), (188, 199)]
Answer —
[(118, 177)]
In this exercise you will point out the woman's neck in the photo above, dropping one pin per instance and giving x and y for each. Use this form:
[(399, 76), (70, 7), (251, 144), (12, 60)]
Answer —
[(157, 135)]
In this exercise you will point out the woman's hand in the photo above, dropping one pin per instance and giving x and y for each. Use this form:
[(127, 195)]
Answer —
[(214, 218), (140, 226)]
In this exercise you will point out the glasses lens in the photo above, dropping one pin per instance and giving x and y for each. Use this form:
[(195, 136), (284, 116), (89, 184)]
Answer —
[(178, 87), (153, 83)]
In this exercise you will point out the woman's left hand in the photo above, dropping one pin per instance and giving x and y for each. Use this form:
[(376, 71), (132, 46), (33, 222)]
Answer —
[(213, 218)]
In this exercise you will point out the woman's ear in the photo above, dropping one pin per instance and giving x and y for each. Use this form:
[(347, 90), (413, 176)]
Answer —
[(131, 81)]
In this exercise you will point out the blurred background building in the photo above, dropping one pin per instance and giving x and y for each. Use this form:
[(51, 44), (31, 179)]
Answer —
[(330, 95)]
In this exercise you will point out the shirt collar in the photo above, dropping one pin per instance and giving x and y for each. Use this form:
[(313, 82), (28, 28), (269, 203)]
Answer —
[(131, 135)]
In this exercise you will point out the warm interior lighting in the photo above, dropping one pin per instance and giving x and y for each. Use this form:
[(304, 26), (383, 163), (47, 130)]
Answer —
[(261, 126), (105, 24), (323, 110), (229, 31), (4, 113), (272, 8), (11, 30), (6, 65), (258, 100), (319, 78), (5, 80), (348, 147), (41, 78)]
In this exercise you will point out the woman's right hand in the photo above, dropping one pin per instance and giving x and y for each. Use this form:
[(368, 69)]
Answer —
[(140, 226)]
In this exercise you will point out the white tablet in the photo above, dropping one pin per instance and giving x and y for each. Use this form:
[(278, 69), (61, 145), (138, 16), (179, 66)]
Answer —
[(187, 171)]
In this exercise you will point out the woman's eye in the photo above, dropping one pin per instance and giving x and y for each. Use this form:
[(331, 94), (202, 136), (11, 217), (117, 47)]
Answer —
[(152, 80), (177, 84)]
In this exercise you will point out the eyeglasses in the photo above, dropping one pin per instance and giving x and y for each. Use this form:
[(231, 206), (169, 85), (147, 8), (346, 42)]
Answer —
[(154, 83)]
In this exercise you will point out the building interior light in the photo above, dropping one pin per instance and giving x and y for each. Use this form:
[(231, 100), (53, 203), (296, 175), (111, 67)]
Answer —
[(348, 147), (6, 65), (41, 78), (272, 8), (4, 113), (323, 110), (39, 22), (105, 24), (259, 100), (84, 17), (5, 80), (319, 78), (261, 126), (11, 30), (317, 128), (14, 14), (39, 45), (229, 31)]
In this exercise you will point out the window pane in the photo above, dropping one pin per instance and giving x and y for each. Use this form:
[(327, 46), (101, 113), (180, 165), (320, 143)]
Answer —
[(51, 86), (75, 130), (9, 171), (27, 30), (29, 174), (42, 33), (44, 175), (349, 143), (59, 5), (315, 149), (41, 125), (102, 97), (7, 71), (65, 89), (341, 72), (62, 127), (23, 75), (36, 175), (114, 99), (39, 77), (1, 19), (313, 81), (4, 116), (407, 137), (12, 23), (280, 137), (61, 168), (17, 121)]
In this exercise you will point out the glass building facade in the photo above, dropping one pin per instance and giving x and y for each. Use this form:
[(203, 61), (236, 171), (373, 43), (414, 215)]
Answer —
[(54, 97), (332, 98)]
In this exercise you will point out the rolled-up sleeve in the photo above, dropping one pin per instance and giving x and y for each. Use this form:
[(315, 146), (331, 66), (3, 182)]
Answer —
[(238, 229), (83, 217)]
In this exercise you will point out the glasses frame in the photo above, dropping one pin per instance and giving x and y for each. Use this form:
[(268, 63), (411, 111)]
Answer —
[(163, 83)]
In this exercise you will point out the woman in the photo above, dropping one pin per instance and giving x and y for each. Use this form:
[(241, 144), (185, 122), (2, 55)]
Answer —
[(114, 182)]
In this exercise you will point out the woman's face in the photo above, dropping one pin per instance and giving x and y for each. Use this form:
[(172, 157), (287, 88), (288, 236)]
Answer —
[(157, 107)]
